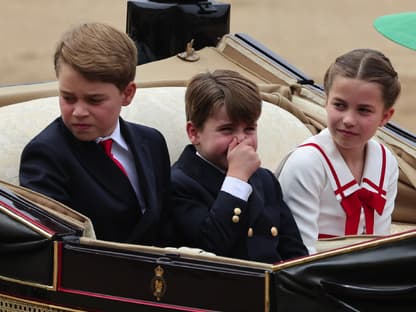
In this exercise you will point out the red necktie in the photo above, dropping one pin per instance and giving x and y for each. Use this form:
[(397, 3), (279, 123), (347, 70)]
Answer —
[(106, 144)]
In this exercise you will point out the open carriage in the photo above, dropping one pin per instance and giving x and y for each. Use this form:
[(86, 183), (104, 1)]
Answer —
[(50, 259)]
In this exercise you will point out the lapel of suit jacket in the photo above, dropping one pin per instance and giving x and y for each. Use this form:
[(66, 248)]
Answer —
[(142, 159), (94, 160), (197, 168)]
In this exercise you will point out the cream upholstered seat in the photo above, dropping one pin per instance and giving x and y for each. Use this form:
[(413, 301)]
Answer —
[(161, 108), (19, 123)]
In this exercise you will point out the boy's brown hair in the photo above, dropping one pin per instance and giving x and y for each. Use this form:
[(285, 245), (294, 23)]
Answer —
[(207, 92), (368, 65), (99, 52)]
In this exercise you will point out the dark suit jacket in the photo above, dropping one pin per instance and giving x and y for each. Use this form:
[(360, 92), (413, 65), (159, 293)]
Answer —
[(80, 175), (202, 213)]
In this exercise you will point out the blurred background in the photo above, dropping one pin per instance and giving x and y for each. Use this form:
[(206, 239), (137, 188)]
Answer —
[(308, 34)]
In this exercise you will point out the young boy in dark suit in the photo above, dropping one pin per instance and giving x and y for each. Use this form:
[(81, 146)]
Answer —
[(121, 184), (223, 201)]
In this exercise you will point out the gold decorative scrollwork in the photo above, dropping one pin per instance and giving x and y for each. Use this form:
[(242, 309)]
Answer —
[(158, 283)]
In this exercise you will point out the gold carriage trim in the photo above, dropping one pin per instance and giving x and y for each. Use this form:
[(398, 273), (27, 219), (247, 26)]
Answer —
[(158, 284), (267, 291), (15, 304), (352, 243), (24, 221), (52, 287), (37, 285)]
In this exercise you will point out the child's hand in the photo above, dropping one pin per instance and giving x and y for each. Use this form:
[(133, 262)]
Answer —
[(242, 159)]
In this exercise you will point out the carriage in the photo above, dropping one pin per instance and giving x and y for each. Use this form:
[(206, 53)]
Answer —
[(50, 259)]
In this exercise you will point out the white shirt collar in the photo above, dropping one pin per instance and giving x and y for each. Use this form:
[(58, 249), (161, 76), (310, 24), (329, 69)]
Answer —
[(116, 136)]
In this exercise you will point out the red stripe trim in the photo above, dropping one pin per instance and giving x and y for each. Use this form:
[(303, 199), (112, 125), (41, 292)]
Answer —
[(326, 236), (383, 166), (376, 187), (27, 218), (59, 266), (115, 298), (379, 187), (129, 300), (345, 187), (383, 170), (339, 189)]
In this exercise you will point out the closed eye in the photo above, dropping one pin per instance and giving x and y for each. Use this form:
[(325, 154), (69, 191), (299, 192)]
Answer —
[(251, 129), (226, 129), (339, 105), (365, 110), (95, 100), (69, 99)]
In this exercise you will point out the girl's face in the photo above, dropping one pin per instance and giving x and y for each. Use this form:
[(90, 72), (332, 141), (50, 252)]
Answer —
[(218, 131), (355, 110)]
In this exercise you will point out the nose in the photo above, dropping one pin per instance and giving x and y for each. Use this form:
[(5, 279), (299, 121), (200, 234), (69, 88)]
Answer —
[(240, 136), (349, 119), (80, 109)]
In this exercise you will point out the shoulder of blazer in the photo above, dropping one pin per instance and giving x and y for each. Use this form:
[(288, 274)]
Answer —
[(132, 129), (53, 134)]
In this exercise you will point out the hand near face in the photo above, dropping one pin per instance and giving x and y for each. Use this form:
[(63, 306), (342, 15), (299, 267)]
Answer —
[(242, 158)]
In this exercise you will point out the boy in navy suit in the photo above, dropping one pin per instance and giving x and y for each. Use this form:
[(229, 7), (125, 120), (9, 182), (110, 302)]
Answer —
[(223, 201), (123, 186)]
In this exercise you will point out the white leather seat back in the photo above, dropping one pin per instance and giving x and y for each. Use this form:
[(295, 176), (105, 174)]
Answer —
[(19, 123), (162, 108)]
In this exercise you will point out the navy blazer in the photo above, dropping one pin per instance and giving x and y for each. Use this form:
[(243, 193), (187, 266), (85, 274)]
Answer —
[(80, 175), (205, 217)]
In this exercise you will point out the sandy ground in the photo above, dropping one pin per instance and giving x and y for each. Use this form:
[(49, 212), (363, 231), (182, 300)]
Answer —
[(308, 34)]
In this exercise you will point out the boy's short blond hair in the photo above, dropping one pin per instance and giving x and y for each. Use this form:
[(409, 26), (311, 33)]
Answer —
[(99, 52), (207, 92)]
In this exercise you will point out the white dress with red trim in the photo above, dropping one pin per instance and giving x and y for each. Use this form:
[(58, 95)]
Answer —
[(324, 197)]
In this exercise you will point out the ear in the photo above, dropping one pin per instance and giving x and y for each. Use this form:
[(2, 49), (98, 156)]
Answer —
[(193, 133), (387, 114), (129, 93)]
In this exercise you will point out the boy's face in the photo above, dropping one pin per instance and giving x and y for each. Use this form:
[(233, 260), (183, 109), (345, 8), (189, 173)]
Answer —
[(90, 109), (213, 140)]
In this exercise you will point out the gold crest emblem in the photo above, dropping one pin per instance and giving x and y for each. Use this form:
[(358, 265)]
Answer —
[(158, 284)]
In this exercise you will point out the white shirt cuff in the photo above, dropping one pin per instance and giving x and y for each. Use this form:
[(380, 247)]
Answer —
[(237, 188)]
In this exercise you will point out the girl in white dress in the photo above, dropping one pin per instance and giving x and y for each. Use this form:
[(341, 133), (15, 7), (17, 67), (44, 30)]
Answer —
[(341, 181)]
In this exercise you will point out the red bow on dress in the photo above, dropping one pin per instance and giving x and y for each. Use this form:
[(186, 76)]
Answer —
[(352, 204)]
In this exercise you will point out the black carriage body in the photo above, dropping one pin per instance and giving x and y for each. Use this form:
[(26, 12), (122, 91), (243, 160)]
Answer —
[(101, 279), (161, 29), (52, 265), (46, 262), (159, 282), (374, 276)]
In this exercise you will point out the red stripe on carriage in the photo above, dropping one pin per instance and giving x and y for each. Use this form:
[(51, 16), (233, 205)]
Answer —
[(130, 300), (28, 219)]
